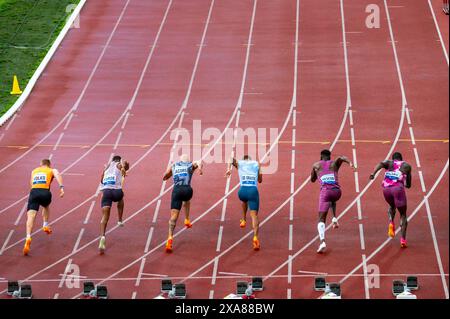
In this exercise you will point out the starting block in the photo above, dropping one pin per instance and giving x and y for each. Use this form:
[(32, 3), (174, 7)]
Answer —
[(406, 295), (166, 285), (24, 292), (99, 292), (319, 284), (398, 286), (257, 284), (241, 287), (412, 283), (88, 286), (12, 287), (180, 291), (335, 288)]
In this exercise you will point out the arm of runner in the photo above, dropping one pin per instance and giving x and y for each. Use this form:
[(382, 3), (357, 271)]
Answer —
[(168, 173), (60, 182), (260, 176), (314, 173), (380, 165), (407, 170), (124, 167), (343, 159), (232, 163), (198, 165)]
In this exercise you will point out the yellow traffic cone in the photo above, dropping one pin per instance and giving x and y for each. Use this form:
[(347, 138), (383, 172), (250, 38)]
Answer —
[(16, 88)]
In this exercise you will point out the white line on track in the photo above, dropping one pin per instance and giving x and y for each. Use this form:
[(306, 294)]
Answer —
[(10, 122), (117, 141), (91, 208), (444, 49), (416, 155), (22, 211), (149, 239), (58, 141), (219, 239), (6, 241), (68, 121), (77, 243), (232, 274)]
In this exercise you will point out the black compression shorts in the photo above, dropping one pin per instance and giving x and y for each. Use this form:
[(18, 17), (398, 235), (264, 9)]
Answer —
[(39, 197), (180, 194)]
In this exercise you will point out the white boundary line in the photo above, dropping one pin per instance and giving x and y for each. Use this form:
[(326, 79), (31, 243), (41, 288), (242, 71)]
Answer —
[(444, 49), (12, 111)]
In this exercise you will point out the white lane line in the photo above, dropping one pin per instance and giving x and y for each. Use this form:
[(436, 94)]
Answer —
[(56, 296), (408, 117), (50, 157), (416, 155), (289, 293), (58, 141), (358, 205), (133, 296), (350, 113), (215, 269), (289, 279), (291, 236), (356, 182), (117, 141), (413, 140), (211, 294), (22, 211), (11, 121), (293, 159), (219, 239), (355, 161), (314, 273), (68, 121), (91, 208), (232, 274), (64, 275), (293, 136), (366, 278), (294, 119), (125, 120), (292, 182), (361, 237), (422, 182), (6, 241), (77, 243), (141, 269), (444, 49), (154, 275), (291, 209), (149, 239)]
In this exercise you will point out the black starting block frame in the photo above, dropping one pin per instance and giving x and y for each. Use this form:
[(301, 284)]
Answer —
[(180, 291), (320, 283), (412, 283), (257, 284), (241, 287), (13, 286), (24, 292), (398, 286), (166, 285), (88, 287), (335, 288)]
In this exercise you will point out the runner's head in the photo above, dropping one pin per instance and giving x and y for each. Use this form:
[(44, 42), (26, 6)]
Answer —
[(184, 158), (116, 158), (247, 158), (325, 155), (46, 162), (397, 156)]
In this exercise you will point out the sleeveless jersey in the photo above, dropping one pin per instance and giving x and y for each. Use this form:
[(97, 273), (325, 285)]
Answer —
[(42, 177), (182, 173), (248, 173)]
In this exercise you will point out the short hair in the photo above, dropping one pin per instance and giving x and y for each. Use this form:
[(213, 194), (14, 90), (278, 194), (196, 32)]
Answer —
[(247, 157), (397, 156), (46, 162), (325, 154), (116, 158)]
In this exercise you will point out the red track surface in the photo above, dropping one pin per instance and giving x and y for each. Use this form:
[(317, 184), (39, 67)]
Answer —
[(160, 42)]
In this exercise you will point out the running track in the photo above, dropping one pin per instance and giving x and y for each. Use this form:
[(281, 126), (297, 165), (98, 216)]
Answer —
[(137, 70)]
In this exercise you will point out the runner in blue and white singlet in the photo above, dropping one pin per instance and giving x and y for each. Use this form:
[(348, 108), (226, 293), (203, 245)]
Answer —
[(249, 177)]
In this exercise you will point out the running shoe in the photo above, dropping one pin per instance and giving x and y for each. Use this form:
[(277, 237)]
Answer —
[(403, 243), (102, 245), (26, 248), (243, 223), (120, 224), (47, 230), (256, 244), (335, 222), (169, 245), (391, 230), (187, 223), (322, 248)]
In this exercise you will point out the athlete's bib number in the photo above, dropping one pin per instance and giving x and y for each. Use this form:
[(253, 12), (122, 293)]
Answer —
[(248, 180), (40, 178), (109, 180), (393, 175), (328, 179)]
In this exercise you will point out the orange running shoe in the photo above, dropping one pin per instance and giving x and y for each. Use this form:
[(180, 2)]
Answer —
[(169, 245), (243, 223), (403, 243), (256, 244), (26, 248), (391, 230), (187, 223), (47, 230)]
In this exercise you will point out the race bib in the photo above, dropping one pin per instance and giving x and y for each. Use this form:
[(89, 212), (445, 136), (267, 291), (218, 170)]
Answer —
[(248, 180), (109, 180), (40, 178), (328, 179), (393, 175)]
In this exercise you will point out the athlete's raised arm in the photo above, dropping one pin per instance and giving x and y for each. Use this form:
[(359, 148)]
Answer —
[(406, 168), (168, 173), (383, 164), (343, 159), (314, 172)]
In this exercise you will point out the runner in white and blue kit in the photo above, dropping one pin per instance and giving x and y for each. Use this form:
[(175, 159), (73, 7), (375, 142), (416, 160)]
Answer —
[(182, 193), (249, 175)]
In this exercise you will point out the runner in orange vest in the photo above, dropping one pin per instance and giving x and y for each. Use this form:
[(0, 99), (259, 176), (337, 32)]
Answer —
[(40, 195)]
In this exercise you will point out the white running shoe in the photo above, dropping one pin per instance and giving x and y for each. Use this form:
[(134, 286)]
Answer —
[(102, 245), (322, 248), (335, 222), (120, 224)]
